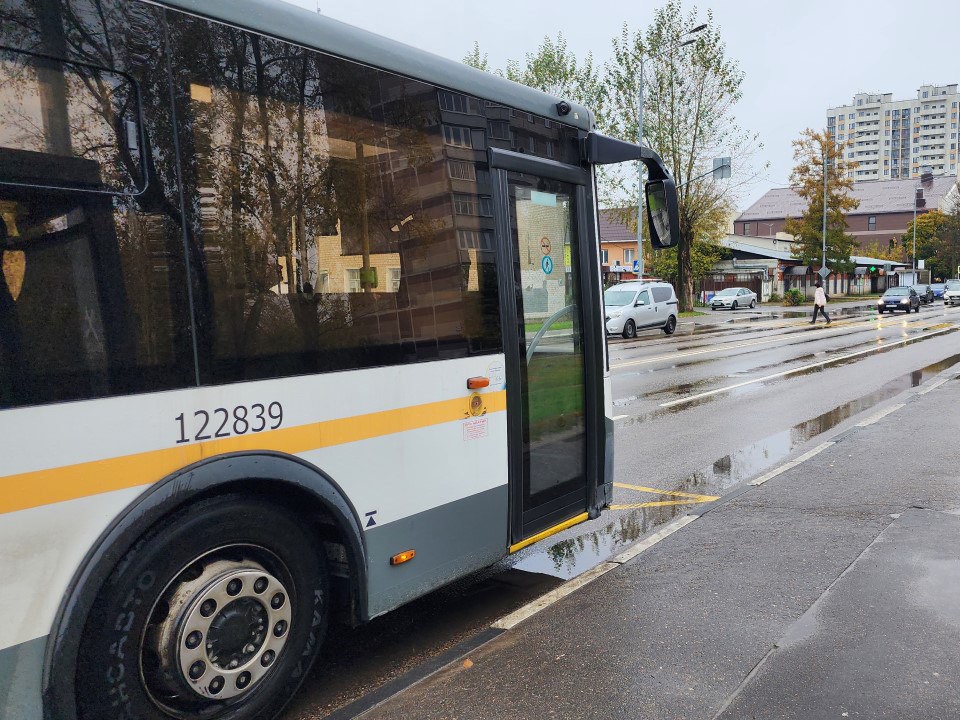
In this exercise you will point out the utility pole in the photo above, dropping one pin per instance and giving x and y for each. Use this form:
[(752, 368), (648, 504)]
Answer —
[(823, 260), (640, 202)]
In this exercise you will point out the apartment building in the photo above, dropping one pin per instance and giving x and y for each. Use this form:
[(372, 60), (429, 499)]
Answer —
[(892, 139)]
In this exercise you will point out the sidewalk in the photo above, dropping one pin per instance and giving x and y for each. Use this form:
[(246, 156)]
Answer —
[(831, 590)]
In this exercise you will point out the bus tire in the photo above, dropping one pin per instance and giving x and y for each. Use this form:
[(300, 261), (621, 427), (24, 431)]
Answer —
[(216, 612)]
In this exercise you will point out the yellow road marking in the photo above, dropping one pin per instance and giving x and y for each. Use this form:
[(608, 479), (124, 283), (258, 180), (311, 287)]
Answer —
[(674, 493), (836, 325), (43, 487)]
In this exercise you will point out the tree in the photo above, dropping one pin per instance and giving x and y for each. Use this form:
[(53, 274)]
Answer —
[(481, 61), (689, 98), (810, 151), (938, 242), (552, 68), (689, 95), (894, 251)]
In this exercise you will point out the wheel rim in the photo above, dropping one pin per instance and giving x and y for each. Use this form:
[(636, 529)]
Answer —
[(671, 324), (217, 630), (631, 328)]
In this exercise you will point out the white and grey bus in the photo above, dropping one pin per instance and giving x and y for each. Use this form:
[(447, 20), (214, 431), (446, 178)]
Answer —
[(295, 322)]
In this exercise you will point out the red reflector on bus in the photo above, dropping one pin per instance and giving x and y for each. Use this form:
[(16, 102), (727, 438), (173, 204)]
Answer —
[(403, 557)]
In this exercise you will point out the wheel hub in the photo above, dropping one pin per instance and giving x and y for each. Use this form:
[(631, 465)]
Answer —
[(225, 629)]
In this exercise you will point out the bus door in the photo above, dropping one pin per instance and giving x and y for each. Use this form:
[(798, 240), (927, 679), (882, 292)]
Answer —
[(550, 341)]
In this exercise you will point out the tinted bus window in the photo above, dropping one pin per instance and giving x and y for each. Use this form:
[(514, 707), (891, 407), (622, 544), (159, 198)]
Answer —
[(92, 292), (323, 210)]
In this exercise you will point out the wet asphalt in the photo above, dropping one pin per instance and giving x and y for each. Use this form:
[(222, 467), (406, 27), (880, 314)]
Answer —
[(728, 397), (830, 591)]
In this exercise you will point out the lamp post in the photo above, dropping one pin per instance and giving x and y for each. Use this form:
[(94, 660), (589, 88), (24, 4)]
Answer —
[(640, 203)]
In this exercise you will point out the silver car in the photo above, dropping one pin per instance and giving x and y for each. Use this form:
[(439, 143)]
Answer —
[(734, 298), (951, 292), (633, 306)]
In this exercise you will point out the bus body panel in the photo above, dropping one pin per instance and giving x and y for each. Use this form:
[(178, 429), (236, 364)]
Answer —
[(385, 455)]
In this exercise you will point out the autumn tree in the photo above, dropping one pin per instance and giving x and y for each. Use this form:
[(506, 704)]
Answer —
[(814, 153), (938, 241)]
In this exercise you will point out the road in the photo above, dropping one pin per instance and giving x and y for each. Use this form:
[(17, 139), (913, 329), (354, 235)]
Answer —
[(723, 399)]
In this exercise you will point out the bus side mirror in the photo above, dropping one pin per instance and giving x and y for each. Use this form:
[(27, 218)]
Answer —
[(662, 213)]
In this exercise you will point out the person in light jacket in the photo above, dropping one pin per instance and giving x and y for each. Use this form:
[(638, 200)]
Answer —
[(820, 304)]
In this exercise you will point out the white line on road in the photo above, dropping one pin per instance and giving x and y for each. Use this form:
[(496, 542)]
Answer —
[(933, 386), (880, 415), (792, 464), (839, 325), (802, 368), (619, 417)]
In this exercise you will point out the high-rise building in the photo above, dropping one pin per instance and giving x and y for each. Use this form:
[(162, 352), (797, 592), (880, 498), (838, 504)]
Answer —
[(892, 139)]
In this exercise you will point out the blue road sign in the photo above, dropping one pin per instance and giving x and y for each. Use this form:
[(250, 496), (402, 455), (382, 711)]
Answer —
[(636, 266), (547, 264)]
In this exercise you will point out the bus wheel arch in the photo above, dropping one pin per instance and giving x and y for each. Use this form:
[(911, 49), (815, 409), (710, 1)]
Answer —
[(313, 498)]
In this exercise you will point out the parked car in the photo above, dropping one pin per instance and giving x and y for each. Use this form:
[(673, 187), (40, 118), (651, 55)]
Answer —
[(951, 292), (937, 290), (734, 298), (925, 292), (899, 298), (633, 306)]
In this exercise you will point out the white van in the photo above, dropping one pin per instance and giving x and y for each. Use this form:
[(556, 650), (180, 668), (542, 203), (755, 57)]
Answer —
[(633, 306)]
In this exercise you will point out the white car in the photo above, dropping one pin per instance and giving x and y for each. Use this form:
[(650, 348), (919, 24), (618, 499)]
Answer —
[(633, 306), (951, 292), (734, 298)]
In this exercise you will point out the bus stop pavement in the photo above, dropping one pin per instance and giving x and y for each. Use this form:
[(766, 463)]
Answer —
[(832, 590)]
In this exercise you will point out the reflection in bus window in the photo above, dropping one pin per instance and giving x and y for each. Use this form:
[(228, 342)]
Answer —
[(325, 211)]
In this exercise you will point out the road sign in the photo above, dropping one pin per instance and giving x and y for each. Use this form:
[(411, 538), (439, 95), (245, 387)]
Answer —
[(547, 264), (636, 266), (721, 168), (823, 272)]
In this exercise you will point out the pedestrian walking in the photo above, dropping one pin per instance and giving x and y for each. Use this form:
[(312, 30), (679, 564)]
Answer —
[(820, 304)]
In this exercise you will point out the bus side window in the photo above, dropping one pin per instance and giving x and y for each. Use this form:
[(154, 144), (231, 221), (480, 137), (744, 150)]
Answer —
[(93, 283), (333, 232)]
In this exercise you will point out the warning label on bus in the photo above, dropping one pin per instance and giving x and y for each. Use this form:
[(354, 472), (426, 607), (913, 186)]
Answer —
[(475, 428)]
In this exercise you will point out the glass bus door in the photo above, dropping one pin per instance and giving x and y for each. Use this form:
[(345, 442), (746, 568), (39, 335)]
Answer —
[(548, 394)]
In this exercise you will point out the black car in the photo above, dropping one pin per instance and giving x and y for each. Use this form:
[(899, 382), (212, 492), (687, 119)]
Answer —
[(925, 292), (899, 298)]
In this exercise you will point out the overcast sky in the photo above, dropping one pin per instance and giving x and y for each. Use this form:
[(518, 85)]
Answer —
[(799, 58)]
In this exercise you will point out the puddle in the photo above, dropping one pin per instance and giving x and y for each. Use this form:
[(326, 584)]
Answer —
[(572, 556)]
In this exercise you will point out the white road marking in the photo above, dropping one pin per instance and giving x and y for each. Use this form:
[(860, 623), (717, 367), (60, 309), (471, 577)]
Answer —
[(837, 325), (619, 417), (802, 368), (792, 464), (532, 608), (933, 386), (880, 415)]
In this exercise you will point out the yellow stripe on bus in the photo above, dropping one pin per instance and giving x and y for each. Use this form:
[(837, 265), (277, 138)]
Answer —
[(43, 487)]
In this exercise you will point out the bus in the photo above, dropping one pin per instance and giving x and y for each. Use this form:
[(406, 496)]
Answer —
[(297, 323)]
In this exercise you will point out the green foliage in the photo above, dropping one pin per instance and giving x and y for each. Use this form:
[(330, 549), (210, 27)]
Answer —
[(938, 242), (793, 297), (807, 177), (481, 61), (775, 298), (703, 256)]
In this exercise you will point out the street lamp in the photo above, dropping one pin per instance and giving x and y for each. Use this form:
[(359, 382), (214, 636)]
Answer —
[(926, 176), (691, 31)]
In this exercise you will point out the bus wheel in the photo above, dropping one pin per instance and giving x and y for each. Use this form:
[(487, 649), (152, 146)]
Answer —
[(216, 613)]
